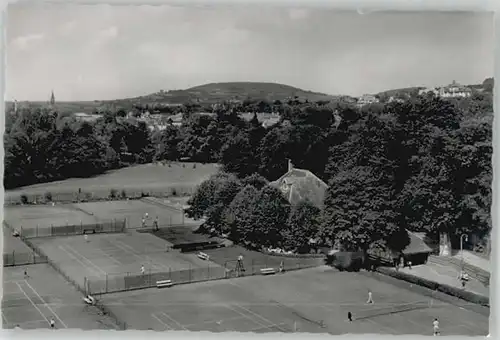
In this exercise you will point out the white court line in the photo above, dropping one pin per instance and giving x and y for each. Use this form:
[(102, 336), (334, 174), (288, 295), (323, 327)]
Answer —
[(86, 259), (259, 316), (174, 321), (79, 261), (377, 324), (141, 257), (110, 257), (160, 321), (246, 316), (215, 321), (4, 318), (32, 303), (46, 305), (268, 327)]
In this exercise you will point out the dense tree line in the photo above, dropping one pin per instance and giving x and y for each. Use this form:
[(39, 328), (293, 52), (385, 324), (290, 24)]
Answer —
[(423, 164)]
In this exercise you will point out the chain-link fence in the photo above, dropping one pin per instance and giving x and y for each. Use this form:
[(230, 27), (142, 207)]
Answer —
[(16, 258), (114, 226), (119, 282), (105, 193)]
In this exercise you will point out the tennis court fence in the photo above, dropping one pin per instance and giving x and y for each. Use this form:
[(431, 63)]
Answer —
[(16, 258), (120, 282), (105, 227), (106, 193)]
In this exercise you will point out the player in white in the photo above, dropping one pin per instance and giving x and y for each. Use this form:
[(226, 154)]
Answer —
[(142, 269), (143, 222), (52, 323), (86, 237), (435, 325), (370, 297)]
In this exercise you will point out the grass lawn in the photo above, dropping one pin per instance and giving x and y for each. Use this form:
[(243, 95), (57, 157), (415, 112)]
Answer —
[(152, 178)]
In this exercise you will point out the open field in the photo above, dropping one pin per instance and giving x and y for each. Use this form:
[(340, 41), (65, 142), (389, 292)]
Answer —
[(152, 178), (133, 211), (32, 301), (302, 300), (45, 216), (253, 261), (112, 262)]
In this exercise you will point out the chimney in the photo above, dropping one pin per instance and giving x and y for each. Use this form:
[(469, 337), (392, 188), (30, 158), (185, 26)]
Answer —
[(290, 165)]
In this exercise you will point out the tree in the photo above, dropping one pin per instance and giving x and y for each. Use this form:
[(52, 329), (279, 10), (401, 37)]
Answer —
[(267, 219), (238, 216), (302, 226)]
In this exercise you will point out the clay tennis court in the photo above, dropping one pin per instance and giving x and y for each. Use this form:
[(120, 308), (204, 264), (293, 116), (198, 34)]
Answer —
[(312, 300), (30, 302), (109, 258)]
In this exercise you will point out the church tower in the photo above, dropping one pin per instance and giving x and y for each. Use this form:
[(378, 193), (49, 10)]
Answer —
[(52, 99)]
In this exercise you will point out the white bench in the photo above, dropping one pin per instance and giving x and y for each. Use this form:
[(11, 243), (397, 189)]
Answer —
[(268, 271), (164, 283), (203, 256), (89, 300)]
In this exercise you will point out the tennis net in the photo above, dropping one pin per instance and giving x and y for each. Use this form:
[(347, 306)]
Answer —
[(391, 309)]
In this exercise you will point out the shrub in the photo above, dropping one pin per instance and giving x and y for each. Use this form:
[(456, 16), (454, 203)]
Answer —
[(183, 165), (88, 196), (194, 166), (48, 196), (174, 192), (112, 193), (24, 199), (123, 194)]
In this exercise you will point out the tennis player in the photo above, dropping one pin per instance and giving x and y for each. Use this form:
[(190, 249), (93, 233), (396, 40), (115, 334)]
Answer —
[(86, 237), (435, 325), (349, 316), (52, 323), (370, 297), (143, 222), (142, 269)]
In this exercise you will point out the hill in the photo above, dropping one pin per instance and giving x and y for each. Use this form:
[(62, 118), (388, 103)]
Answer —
[(218, 92), (204, 95)]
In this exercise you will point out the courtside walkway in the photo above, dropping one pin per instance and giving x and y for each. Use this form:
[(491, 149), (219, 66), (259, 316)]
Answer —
[(474, 260)]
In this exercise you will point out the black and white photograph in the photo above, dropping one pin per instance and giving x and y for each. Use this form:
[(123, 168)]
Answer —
[(247, 168)]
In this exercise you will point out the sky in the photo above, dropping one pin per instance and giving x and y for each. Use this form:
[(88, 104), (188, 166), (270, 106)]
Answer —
[(97, 52)]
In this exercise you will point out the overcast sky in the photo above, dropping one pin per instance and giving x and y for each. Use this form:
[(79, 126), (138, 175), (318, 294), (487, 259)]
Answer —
[(106, 52)]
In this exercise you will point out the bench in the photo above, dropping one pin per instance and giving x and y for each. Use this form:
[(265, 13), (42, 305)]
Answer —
[(268, 271), (203, 256), (164, 283), (91, 230)]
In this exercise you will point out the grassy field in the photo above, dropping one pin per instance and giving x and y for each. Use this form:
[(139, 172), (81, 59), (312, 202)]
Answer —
[(313, 300), (155, 179), (31, 302)]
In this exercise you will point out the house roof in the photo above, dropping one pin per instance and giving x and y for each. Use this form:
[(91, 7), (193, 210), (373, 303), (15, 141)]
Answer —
[(299, 184), (416, 246)]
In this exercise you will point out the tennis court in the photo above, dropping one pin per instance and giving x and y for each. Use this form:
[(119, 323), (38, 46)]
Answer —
[(45, 216), (30, 302), (312, 300), (133, 211), (105, 259)]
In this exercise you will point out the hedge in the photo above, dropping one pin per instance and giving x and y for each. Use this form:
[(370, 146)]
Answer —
[(441, 287), (296, 256)]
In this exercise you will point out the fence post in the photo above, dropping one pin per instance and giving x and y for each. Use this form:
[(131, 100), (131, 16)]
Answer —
[(190, 272), (51, 230), (106, 284), (13, 258), (208, 272), (37, 230)]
